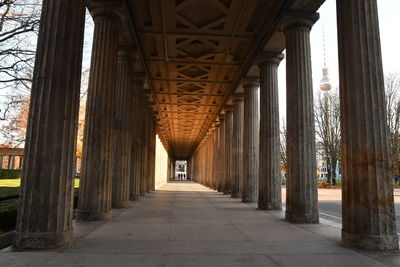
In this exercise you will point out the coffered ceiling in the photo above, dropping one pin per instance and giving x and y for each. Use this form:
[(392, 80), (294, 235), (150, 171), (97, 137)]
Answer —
[(195, 53)]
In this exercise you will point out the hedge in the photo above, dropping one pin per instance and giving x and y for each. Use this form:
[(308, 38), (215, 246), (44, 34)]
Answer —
[(8, 211), (8, 214), (10, 174)]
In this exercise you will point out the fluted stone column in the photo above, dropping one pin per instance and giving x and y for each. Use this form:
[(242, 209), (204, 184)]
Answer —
[(227, 187), (269, 194), (45, 205), (301, 188), (150, 157), (144, 147), (250, 140), (134, 188), (12, 162), (368, 210), (153, 154), (96, 181), (122, 128), (215, 171), (237, 145), (221, 153), (216, 137), (9, 162)]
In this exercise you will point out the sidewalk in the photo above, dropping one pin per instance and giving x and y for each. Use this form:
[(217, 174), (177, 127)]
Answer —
[(186, 224)]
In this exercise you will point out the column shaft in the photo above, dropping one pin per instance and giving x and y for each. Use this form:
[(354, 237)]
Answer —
[(214, 177), (122, 129), (221, 154), (46, 201), (237, 146), (144, 158), (368, 208), (250, 141), (270, 181), (301, 188), (96, 181), (137, 135), (227, 189)]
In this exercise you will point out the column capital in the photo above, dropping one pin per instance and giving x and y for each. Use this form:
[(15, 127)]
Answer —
[(269, 57), (106, 8), (251, 82), (127, 51), (299, 19), (237, 97), (221, 117), (228, 109)]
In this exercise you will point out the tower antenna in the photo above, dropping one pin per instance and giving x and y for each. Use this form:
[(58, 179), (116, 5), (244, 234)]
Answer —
[(324, 43)]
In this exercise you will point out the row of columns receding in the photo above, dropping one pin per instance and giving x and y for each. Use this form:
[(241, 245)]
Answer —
[(119, 138), (118, 161), (240, 154), (12, 162)]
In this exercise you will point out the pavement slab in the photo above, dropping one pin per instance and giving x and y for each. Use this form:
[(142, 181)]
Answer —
[(186, 224)]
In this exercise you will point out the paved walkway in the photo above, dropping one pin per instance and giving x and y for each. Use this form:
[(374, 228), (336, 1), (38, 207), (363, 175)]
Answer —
[(186, 224)]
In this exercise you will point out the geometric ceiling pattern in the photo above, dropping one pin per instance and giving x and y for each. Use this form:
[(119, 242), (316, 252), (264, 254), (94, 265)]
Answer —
[(193, 51)]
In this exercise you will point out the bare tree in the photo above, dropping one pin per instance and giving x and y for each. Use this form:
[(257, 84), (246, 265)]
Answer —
[(327, 124), (392, 88), (19, 24)]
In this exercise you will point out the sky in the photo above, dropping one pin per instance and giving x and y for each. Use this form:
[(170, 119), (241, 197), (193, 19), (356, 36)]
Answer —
[(389, 22)]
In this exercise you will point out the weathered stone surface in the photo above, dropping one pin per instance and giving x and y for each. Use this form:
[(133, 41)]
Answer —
[(251, 127), (237, 146), (122, 128), (215, 173), (96, 181), (144, 146), (153, 155), (221, 153), (269, 196), (301, 200), (227, 186), (135, 175), (45, 206), (368, 208)]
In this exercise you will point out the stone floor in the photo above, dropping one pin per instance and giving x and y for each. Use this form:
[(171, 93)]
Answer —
[(186, 224)]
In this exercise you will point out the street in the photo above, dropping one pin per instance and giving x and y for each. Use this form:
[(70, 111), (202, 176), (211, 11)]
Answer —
[(330, 204)]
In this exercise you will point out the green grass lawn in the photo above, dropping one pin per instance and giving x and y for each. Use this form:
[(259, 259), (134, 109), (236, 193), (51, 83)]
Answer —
[(17, 182), (8, 207), (9, 188)]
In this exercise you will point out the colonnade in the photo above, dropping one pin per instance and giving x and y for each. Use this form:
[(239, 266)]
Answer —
[(13, 162), (253, 173), (120, 130), (239, 154)]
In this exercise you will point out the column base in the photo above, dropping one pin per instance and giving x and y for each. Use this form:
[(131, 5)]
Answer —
[(301, 217), (227, 192), (121, 204), (270, 206), (248, 201), (134, 198), (371, 242), (93, 215), (43, 240), (236, 195)]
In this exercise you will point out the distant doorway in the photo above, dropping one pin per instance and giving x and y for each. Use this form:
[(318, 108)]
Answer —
[(181, 170)]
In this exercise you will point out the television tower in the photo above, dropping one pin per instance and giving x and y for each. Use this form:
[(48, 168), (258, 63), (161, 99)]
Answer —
[(325, 84)]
